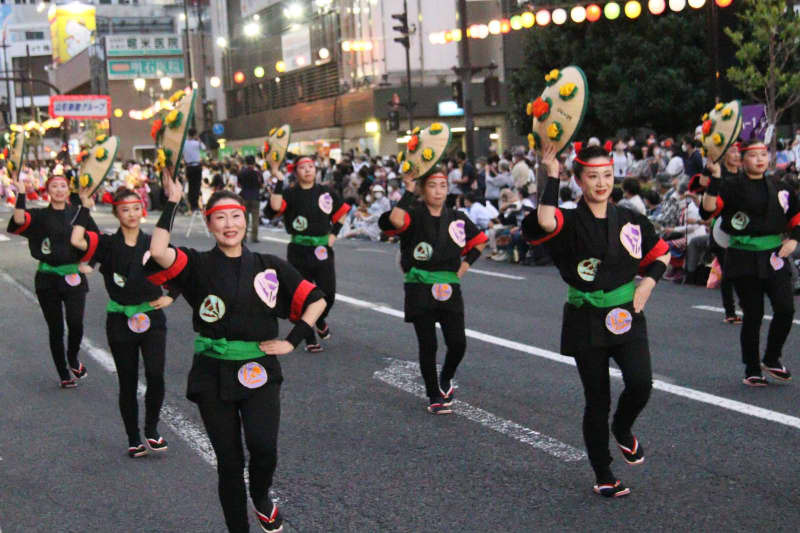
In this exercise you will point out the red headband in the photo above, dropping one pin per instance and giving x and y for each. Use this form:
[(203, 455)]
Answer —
[(759, 146), (224, 206), (123, 202), (585, 164), (53, 178), (437, 175), (305, 160)]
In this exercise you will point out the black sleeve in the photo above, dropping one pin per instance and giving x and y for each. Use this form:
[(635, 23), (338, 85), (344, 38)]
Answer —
[(534, 233), (27, 229), (340, 209), (294, 292), (388, 228), (179, 275)]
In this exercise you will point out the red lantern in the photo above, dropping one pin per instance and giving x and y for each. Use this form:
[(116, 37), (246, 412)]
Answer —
[(238, 77), (724, 3), (593, 12)]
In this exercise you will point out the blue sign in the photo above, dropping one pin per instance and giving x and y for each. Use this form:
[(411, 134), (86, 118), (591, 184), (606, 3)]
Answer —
[(218, 129), (450, 108)]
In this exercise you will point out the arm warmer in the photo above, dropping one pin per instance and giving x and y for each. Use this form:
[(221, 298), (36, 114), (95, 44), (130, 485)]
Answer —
[(167, 216), (278, 187), (550, 195), (472, 256), (406, 200), (655, 270), (300, 331), (20, 200), (713, 186), (82, 218)]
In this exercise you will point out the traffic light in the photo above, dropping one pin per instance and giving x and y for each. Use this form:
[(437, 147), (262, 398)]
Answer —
[(491, 91), (401, 28), (394, 120), (458, 93)]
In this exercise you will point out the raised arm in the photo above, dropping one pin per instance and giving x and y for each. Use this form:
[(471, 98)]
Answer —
[(159, 243), (276, 198), (78, 237), (398, 216), (19, 209), (546, 212), (712, 191)]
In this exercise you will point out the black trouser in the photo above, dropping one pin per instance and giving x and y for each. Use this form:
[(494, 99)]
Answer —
[(633, 359), (259, 415), (153, 344), (253, 211), (455, 339), (194, 174), (51, 300), (751, 291), (323, 275)]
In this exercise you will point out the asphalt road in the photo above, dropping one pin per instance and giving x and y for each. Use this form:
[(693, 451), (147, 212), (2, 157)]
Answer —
[(358, 452)]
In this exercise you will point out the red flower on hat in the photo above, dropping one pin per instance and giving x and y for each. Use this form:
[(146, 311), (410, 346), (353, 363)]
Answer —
[(266, 147), (608, 146), (707, 125), (156, 128), (540, 107), (578, 146), (81, 156), (413, 143), (5, 153)]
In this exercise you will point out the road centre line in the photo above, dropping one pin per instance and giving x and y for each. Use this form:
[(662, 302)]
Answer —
[(404, 375), (721, 310), (677, 390)]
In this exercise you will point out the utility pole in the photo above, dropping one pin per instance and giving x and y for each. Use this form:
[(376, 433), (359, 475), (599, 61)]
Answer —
[(12, 111), (405, 31), (465, 72), (202, 83)]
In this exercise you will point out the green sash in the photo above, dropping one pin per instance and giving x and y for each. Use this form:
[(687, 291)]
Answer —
[(755, 244), (429, 277), (60, 270), (619, 296), (228, 350), (128, 310), (310, 240)]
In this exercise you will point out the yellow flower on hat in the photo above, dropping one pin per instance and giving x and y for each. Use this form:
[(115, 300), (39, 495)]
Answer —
[(405, 168), (272, 131), (101, 153), (172, 118), (401, 155), (717, 139), (436, 127), (567, 91), (727, 113), (554, 131), (416, 131), (275, 156), (719, 106), (529, 108), (553, 75), (531, 141), (280, 133), (101, 138), (84, 181), (161, 159), (705, 117), (176, 96), (427, 154)]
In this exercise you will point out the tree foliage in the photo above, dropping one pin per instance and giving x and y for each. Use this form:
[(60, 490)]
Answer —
[(652, 72), (767, 42)]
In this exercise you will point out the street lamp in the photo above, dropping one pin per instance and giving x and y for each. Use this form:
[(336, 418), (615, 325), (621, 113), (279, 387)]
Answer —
[(222, 42), (215, 81), (139, 84), (252, 29), (166, 83)]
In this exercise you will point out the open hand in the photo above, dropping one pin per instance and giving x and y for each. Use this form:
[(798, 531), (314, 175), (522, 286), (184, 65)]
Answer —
[(276, 347), (642, 294), (162, 302), (787, 248), (550, 162)]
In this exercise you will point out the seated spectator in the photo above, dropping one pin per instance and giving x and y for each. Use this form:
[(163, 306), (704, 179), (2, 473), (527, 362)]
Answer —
[(495, 183), (565, 200), (479, 213), (631, 198)]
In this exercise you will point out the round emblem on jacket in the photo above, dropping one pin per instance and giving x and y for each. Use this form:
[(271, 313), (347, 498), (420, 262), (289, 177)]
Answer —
[(619, 321), (139, 323), (321, 252), (740, 220), (46, 249), (326, 203), (783, 199), (423, 251), (457, 233), (631, 238), (441, 291), (252, 375), (119, 280), (212, 308), (587, 269), (73, 280), (300, 223), (776, 261), (266, 285)]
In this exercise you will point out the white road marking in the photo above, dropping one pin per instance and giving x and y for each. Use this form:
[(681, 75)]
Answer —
[(494, 274), (373, 250), (721, 310), (404, 375), (3, 238), (685, 392)]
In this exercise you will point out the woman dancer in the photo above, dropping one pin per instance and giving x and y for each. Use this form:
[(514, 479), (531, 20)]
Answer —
[(756, 213), (60, 282), (135, 320), (237, 297), (437, 246), (598, 249)]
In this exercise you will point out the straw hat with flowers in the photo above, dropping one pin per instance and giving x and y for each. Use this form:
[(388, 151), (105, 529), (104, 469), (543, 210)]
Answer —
[(95, 163), (424, 149), (557, 114), (169, 129), (721, 128), (277, 143)]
